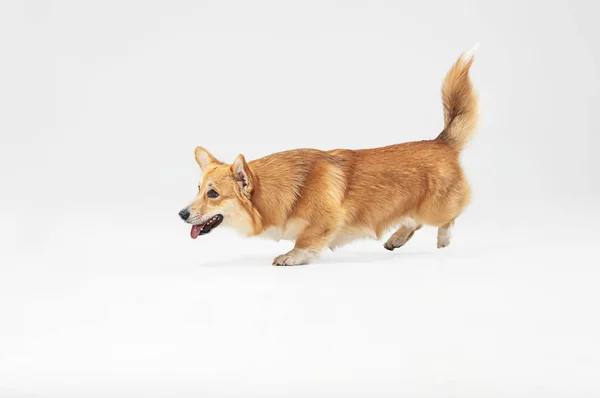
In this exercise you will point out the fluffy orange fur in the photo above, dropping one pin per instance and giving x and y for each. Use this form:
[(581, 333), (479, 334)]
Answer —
[(328, 198)]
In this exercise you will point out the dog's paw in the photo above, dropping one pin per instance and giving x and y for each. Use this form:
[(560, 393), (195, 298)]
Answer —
[(284, 259), (295, 257), (393, 243), (443, 243), (443, 236)]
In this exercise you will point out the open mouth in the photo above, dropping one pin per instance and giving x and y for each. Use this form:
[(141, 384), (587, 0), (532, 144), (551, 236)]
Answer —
[(206, 227)]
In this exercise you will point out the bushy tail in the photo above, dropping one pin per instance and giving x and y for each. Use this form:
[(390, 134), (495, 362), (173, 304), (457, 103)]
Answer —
[(460, 104)]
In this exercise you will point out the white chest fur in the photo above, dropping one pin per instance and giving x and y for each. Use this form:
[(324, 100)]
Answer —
[(290, 231)]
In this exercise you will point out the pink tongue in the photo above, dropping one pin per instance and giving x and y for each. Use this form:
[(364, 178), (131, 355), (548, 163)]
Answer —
[(195, 231)]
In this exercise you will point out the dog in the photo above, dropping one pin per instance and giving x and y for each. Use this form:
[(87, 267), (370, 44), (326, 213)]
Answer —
[(325, 199)]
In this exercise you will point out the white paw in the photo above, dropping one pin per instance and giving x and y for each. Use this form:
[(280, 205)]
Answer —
[(394, 242), (443, 242), (295, 257), (443, 237)]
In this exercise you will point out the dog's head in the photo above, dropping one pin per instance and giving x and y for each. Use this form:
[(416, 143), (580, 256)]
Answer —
[(224, 194)]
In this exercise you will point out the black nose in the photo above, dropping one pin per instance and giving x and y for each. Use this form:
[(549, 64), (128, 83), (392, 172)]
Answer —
[(184, 214)]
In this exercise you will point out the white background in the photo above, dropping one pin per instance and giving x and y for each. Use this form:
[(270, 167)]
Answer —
[(103, 293)]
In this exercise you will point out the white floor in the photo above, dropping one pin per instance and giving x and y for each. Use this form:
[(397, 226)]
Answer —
[(128, 311)]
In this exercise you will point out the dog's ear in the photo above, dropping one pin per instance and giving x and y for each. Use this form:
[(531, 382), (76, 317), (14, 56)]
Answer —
[(242, 174), (204, 158)]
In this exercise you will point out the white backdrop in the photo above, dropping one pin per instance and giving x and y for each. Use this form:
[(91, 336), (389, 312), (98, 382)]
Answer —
[(103, 293)]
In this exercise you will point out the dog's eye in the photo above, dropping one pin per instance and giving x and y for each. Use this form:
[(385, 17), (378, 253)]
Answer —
[(212, 194)]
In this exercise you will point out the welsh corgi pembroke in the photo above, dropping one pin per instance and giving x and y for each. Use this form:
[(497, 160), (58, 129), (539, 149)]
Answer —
[(325, 199)]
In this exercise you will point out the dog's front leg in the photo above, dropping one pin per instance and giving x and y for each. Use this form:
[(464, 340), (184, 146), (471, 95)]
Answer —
[(308, 246)]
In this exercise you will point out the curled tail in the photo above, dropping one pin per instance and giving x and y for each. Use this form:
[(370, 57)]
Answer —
[(460, 104)]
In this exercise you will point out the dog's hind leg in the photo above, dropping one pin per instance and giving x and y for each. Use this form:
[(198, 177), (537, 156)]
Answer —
[(443, 235), (402, 235)]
